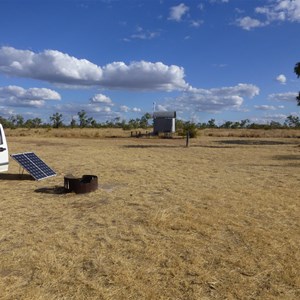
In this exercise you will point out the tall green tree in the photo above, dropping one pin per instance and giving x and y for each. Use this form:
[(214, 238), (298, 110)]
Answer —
[(297, 71), (83, 120), (56, 120), (292, 121)]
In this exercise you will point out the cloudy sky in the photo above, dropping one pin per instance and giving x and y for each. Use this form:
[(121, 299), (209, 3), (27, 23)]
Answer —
[(221, 59)]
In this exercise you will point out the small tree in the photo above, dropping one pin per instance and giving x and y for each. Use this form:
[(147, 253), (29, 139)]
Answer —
[(212, 123), (83, 121), (56, 119), (292, 121), (297, 71), (73, 123), (144, 120)]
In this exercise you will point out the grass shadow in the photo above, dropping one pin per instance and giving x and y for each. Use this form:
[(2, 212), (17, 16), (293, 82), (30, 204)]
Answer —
[(7, 176), (173, 146), (287, 157), (254, 142), (57, 190), (152, 146)]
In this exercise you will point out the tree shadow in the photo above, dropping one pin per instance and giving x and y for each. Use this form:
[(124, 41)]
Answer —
[(7, 176)]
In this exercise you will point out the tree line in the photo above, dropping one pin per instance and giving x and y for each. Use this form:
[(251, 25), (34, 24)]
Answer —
[(84, 121)]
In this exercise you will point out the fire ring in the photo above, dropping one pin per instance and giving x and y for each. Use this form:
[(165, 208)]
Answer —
[(86, 184)]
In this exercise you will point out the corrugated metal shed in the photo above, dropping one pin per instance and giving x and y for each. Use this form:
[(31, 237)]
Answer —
[(164, 122)]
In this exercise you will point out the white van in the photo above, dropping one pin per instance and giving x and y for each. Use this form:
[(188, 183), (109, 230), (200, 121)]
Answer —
[(3, 151)]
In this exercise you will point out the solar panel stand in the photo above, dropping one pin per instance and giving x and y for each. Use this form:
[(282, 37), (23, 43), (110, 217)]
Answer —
[(36, 167)]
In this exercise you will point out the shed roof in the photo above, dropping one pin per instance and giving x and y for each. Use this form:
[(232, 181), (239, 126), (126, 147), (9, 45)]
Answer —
[(164, 114)]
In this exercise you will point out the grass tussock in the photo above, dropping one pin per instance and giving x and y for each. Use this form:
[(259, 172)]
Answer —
[(216, 220)]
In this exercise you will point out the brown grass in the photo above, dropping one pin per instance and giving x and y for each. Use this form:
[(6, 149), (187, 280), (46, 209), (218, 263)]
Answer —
[(217, 220)]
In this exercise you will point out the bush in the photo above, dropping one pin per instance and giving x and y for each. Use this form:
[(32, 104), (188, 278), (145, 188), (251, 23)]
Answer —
[(189, 127)]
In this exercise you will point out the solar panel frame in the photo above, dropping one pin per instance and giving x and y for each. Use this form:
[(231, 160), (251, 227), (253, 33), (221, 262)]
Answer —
[(36, 167)]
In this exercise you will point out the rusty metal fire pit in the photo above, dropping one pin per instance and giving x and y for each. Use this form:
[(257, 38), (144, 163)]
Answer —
[(86, 184)]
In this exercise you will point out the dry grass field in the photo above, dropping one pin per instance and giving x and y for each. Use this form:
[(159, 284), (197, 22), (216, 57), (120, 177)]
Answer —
[(217, 220)]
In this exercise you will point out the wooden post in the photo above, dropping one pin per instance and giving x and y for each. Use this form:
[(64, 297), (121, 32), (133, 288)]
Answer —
[(187, 139)]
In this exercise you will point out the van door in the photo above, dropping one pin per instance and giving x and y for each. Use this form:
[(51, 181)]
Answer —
[(3, 151)]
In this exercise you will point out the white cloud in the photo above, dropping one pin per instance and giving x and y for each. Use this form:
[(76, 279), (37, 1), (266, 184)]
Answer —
[(17, 96), (218, 1), (290, 97), (124, 108), (6, 112), (59, 68), (102, 113), (276, 10), (143, 76), (50, 65), (281, 79), (213, 100), (281, 10), (196, 23), (101, 99), (143, 34), (248, 23), (177, 12)]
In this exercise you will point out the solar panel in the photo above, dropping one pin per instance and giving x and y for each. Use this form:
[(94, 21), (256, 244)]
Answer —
[(33, 165)]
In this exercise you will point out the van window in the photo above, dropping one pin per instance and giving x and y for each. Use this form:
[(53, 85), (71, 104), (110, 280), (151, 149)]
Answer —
[(1, 141)]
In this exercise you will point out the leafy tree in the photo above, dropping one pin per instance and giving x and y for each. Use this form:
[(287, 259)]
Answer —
[(6, 123), (17, 120), (191, 128), (83, 120), (33, 123), (292, 121), (244, 123), (275, 125), (227, 124), (73, 123), (144, 120), (297, 71), (56, 119), (212, 123)]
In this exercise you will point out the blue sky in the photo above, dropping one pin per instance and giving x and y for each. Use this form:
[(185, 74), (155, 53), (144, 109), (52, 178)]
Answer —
[(223, 59)]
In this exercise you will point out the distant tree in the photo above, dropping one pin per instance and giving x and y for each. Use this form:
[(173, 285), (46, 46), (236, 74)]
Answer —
[(227, 124), (17, 120), (144, 120), (56, 120), (73, 123), (244, 123), (179, 124), (297, 71), (275, 125), (212, 123), (191, 129), (33, 123), (83, 120), (6, 123), (292, 121)]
